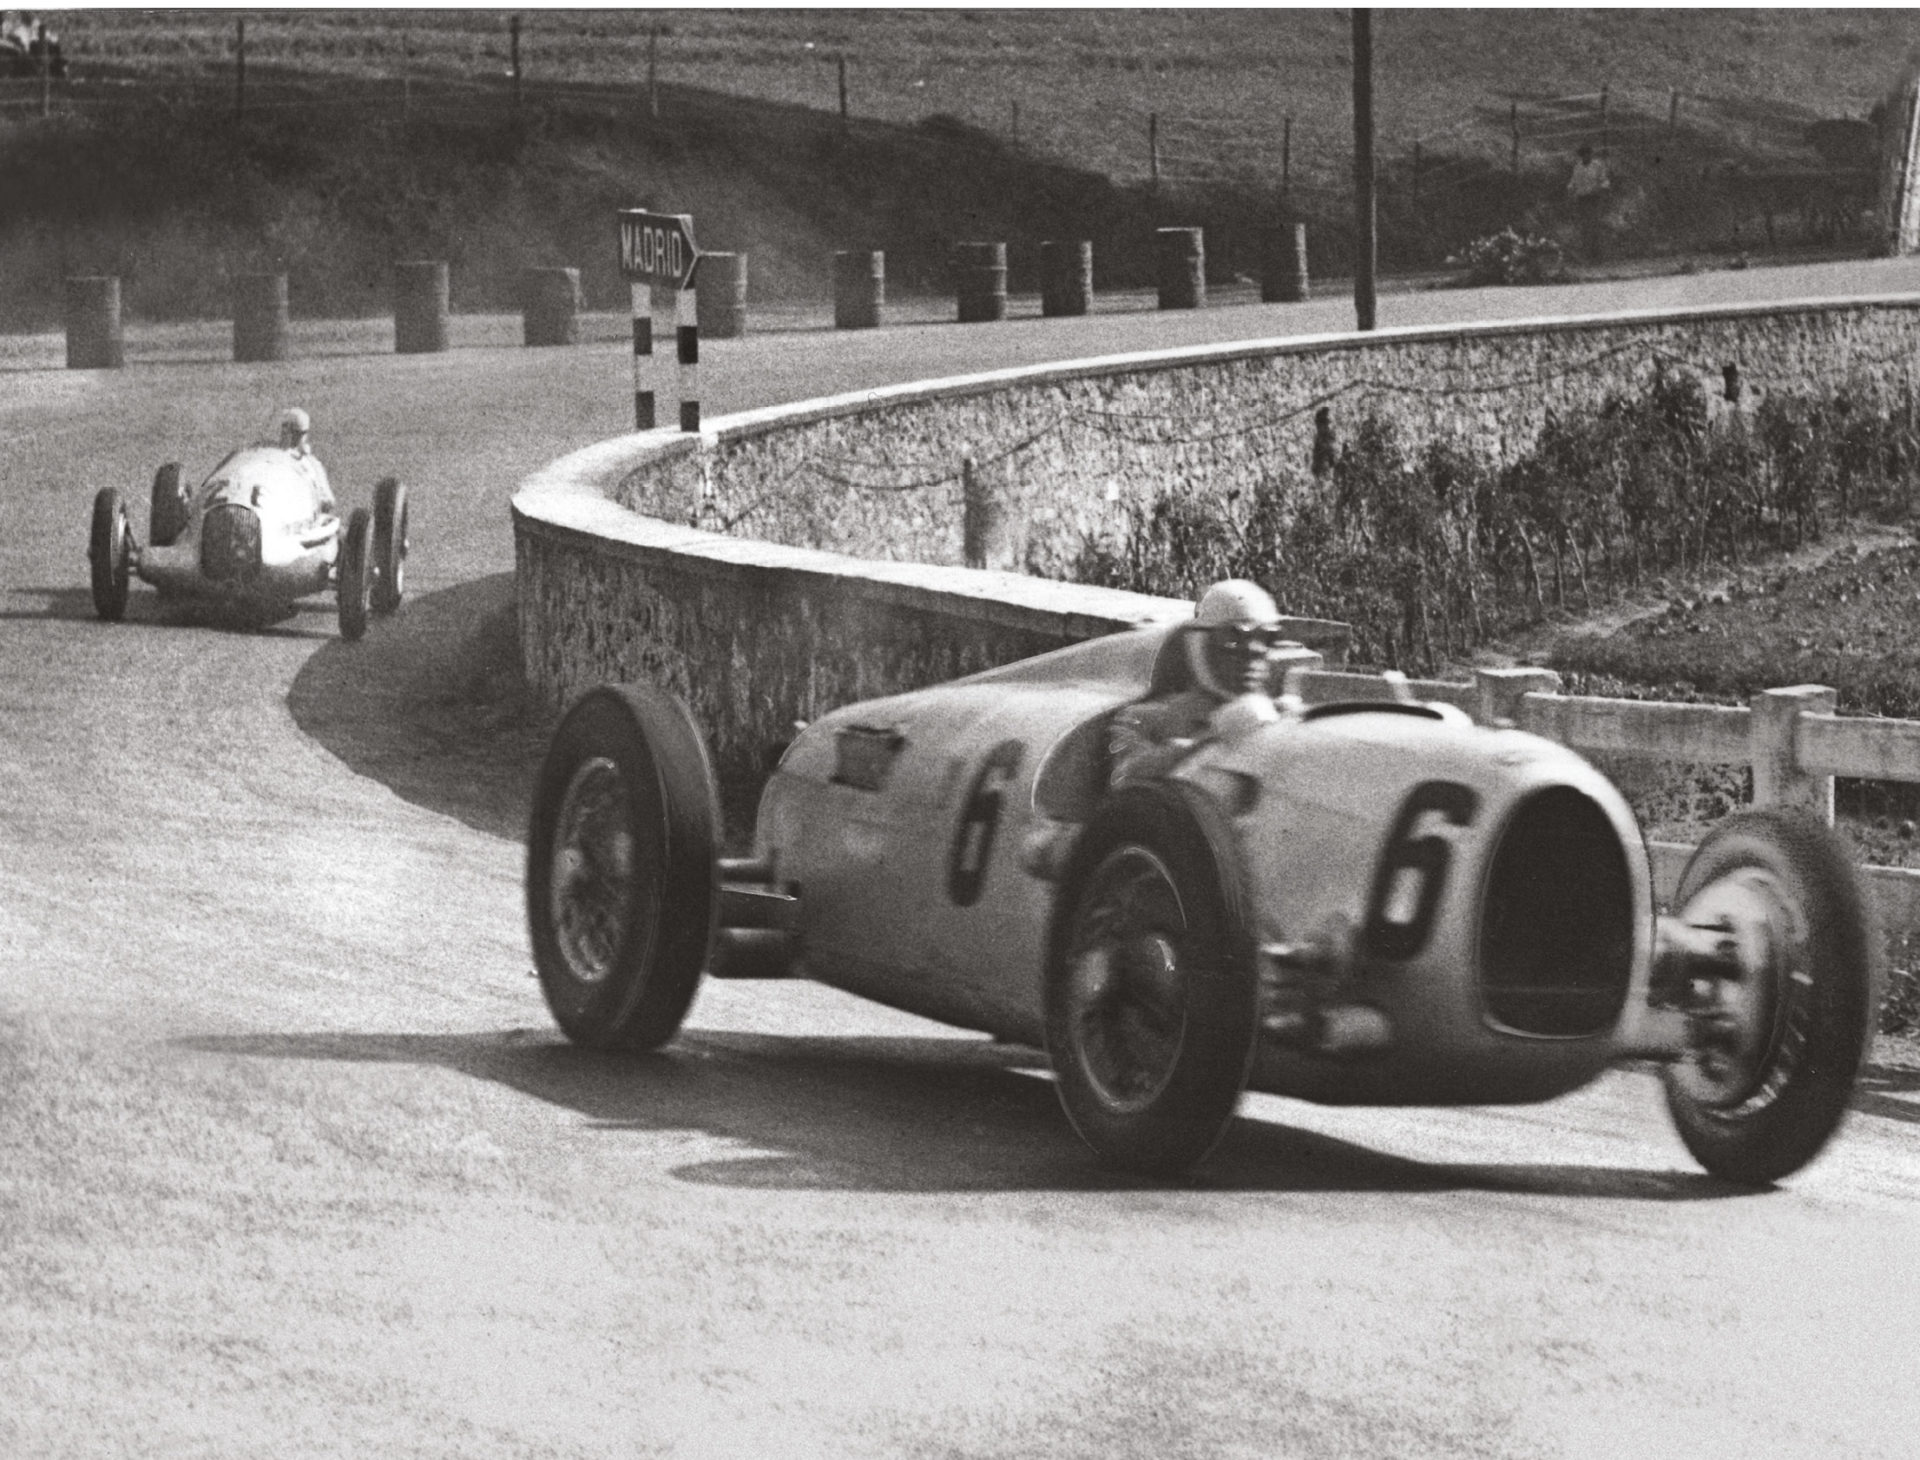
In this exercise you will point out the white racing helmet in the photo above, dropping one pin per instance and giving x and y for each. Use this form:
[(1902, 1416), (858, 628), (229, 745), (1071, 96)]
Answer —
[(1224, 651), (295, 426)]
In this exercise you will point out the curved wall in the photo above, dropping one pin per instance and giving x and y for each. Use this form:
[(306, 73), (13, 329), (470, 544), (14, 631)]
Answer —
[(619, 577)]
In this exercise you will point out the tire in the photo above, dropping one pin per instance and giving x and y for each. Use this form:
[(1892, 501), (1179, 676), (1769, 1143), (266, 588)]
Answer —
[(389, 545), (110, 552), (356, 575), (169, 509), (623, 868), (1152, 998), (1768, 1082)]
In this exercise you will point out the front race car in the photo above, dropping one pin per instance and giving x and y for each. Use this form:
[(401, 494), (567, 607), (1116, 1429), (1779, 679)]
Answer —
[(257, 534)]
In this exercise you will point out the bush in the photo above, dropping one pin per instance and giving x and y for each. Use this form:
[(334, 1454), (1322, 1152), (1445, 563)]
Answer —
[(1511, 257), (1429, 552)]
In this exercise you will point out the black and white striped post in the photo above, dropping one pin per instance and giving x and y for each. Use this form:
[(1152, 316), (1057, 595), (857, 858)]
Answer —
[(657, 257)]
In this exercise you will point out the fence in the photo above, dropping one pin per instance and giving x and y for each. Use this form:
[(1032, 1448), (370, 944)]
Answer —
[(1790, 738)]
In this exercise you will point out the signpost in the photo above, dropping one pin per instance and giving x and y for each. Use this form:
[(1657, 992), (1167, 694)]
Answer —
[(657, 253)]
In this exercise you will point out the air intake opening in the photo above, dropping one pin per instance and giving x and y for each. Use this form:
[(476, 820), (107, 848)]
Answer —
[(229, 544), (1556, 933)]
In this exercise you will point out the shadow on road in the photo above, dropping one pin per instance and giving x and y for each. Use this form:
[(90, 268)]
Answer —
[(308, 619), (875, 1113), (1881, 1091), (430, 705)]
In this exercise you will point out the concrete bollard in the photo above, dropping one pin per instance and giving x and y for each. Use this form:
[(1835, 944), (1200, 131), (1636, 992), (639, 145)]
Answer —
[(94, 341), (859, 289), (419, 308), (549, 307), (1283, 265), (720, 296), (980, 281), (260, 317), (1181, 256), (1066, 277)]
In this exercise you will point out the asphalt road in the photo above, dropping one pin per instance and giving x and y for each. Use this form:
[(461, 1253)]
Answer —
[(293, 1163)]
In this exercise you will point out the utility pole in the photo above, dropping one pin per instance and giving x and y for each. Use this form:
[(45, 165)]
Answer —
[(1364, 213)]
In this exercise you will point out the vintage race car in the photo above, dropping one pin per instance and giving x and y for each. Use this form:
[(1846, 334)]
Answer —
[(260, 532), (1363, 901)]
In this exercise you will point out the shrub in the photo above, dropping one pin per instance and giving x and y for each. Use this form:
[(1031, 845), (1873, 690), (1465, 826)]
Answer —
[(1511, 257), (1428, 552)]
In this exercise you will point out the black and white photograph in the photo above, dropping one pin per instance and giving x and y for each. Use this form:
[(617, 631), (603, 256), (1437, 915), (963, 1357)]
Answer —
[(857, 733)]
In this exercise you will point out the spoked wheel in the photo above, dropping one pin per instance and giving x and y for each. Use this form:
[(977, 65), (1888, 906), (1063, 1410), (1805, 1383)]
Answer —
[(622, 868), (356, 575), (169, 509), (1152, 1000), (110, 555), (389, 545), (1777, 1047)]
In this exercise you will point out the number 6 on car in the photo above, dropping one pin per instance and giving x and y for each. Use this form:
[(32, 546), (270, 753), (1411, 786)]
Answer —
[(1183, 883)]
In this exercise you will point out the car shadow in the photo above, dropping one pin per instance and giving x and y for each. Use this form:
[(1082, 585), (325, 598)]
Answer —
[(1890, 1092), (908, 1114), (304, 621), (431, 704)]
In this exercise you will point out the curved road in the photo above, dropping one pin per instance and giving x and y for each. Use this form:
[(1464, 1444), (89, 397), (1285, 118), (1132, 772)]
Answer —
[(292, 1162)]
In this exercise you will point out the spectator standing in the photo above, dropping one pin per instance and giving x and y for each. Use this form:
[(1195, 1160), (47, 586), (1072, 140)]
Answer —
[(1588, 187)]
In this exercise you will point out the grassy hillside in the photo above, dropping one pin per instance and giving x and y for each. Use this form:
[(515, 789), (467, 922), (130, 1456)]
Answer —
[(368, 136)]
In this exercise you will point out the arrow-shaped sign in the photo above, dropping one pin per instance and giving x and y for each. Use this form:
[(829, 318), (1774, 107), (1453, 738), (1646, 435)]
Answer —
[(657, 247)]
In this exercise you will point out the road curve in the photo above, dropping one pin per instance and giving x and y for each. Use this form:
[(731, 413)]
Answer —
[(292, 1162)]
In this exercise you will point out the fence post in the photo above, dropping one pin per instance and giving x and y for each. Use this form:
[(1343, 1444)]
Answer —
[(1498, 692), (513, 41), (653, 73), (1513, 124), (1286, 163), (842, 59), (1778, 779), (985, 540), (1153, 147)]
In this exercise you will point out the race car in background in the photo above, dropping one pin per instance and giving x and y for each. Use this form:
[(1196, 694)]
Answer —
[(260, 532), (1157, 857)]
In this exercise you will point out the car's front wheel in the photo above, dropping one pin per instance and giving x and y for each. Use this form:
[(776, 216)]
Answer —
[(623, 867), (1778, 1041), (389, 545), (1152, 999), (356, 574), (169, 509), (110, 555)]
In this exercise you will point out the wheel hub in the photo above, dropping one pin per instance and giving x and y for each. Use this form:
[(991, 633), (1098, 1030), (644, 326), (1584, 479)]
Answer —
[(1734, 1018), (1126, 981), (591, 882)]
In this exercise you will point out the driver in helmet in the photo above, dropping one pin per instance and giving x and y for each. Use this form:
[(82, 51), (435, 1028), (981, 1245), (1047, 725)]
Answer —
[(296, 430), (1219, 667)]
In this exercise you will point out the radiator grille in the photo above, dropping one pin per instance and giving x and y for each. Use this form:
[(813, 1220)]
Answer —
[(1556, 932), (230, 544)]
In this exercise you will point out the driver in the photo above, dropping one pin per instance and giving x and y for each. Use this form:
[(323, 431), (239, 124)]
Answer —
[(296, 430), (1225, 658)]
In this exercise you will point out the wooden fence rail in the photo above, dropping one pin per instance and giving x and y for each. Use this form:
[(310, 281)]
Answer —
[(1791, 738)]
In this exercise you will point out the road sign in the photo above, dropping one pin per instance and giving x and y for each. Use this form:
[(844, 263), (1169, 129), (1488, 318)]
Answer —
[(657, 247)]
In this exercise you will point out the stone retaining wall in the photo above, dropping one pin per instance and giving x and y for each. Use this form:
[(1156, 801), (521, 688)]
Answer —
[(617, 580), (1064, 450)]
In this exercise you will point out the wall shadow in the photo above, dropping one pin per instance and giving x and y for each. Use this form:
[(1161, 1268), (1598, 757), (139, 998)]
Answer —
[(897, 1114), (430, 704)]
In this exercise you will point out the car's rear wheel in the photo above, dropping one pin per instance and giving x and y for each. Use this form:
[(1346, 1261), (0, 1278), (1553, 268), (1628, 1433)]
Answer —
[(389, 544), (356, 574), (1152, 1001), (169, 509), (622, 868), (110, 555), (1777, 1048)]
